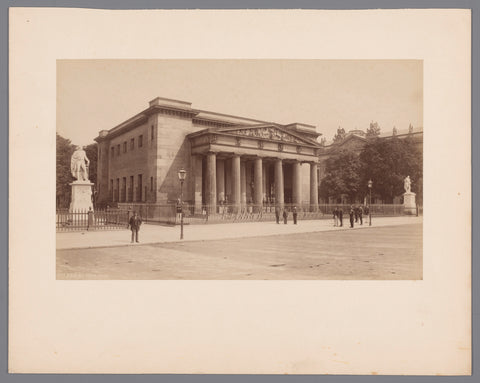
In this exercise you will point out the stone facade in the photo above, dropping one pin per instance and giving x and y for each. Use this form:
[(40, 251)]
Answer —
[(228, 159)]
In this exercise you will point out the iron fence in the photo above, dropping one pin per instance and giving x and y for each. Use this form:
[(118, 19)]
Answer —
[(100, 219), (117, 218), (195, 214)]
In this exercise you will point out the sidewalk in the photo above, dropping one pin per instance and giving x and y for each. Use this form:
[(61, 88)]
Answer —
[(161, 234)]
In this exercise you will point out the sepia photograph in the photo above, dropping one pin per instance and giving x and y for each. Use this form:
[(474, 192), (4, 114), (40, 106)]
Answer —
[(239, 169), (240, 192)]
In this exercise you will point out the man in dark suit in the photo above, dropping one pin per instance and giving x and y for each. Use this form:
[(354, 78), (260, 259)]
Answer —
[(360, 214), (294, 215), (340, 216), (352, 215), (134, 223), (285, 216)]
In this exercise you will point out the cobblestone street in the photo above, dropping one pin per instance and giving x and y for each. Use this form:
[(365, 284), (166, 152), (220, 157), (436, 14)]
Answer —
[(388, 252)]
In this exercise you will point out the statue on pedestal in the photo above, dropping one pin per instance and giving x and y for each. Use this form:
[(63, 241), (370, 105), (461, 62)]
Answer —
[(407, 183), (410, 207), (79, 164), (81, 188)]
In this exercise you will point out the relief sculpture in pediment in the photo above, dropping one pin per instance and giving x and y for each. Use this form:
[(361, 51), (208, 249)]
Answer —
[(267, 133)]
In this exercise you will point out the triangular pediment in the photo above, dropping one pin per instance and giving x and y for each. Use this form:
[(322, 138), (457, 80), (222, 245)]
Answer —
[(268, 132)]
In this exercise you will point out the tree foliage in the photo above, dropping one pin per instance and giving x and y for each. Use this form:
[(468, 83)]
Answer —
[(92, 154), (64, 177), (385, 161), (342, 176)]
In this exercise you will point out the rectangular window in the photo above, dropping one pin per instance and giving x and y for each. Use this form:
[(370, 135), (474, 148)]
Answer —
[(130, 190), (118, 190), (118, 149), (151, 184), (139, 188), (152, 132), (132, 144), (124, 189), (125, 147), (111, 190), (140, 141)]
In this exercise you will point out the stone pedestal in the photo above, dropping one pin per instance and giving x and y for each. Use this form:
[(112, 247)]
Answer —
[(81, 196), (409, 204)]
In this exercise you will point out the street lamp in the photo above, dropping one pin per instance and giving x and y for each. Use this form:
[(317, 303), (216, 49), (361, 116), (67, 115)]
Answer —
[(182, 174), (370, 183)]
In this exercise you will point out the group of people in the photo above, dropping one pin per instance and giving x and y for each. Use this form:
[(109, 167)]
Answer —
[(355, 212), (278, 210)]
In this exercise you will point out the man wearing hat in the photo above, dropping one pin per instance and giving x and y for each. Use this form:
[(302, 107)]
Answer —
[(134, 223)]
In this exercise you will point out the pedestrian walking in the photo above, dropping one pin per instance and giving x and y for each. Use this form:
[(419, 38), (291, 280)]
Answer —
[(285, 216), (355, 210), (335, 217), (294, 215), (352, 215), (340, 216), (360, 214), (134, 223), (277, 214)]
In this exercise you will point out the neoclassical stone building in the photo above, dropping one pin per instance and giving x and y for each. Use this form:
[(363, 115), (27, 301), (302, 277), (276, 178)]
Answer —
[(228, 159)]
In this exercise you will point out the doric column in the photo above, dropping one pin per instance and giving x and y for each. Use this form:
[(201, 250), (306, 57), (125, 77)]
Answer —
[(297, 183), (243, 184), (221, 180), (258, 183), (211, 182), (236, 178), (313, 186), (265, 182), (197, 182), (279, 200)]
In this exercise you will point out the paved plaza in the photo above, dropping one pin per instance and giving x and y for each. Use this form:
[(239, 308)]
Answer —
[(390, 249)]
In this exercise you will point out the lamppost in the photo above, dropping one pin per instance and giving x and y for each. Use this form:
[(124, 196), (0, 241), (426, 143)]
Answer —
[(182, 173), (370, 183)]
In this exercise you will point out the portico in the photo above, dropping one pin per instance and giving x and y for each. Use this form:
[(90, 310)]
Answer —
[(253, 166)]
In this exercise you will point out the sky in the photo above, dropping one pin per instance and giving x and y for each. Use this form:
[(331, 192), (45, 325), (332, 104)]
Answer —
[(93, 95)]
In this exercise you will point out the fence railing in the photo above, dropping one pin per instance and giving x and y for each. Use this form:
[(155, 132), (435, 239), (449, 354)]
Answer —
[(201, 214), (105, 219), (117, 218)]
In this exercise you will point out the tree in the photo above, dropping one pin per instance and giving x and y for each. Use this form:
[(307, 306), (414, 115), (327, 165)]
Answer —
[(64, 177), (387, 162), (373, 131), (342, 176), (65, 150), (92, 154), (340, 136)]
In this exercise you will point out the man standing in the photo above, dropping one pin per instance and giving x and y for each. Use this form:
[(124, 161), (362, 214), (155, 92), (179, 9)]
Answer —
[(335, 217), (294, 215), (340, 216), (360, 214), (134, 223), (285, 216), (179, 211), (352, 214), (355, 210)]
